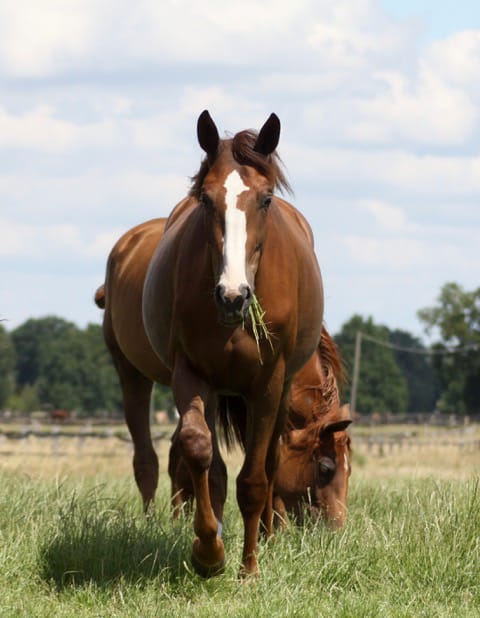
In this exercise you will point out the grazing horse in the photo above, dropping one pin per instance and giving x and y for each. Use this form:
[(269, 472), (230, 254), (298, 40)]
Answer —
[(314, 465), (314, 452), (231, 241)]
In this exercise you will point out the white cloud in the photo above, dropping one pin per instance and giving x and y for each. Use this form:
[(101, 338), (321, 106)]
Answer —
[(457, 58), (385, 253), (388, 218), (379, 134), (388, 170), (40, 38), (430, 111), (49, 242), (349, 34), (39, 129), (16, 239), (92, 198)]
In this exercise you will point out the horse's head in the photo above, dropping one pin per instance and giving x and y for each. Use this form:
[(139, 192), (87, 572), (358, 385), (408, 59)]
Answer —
[(321, 452), (331, 464), (234, 188), (315, 453)]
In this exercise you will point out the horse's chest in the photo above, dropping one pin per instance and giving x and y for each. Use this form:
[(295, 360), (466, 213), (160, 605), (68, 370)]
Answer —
[(230, 364)]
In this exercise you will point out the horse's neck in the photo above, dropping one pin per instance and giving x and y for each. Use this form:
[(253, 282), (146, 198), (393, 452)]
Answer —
[(180, 211)]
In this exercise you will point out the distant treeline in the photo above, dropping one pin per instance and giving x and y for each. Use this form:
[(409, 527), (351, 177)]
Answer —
[(49, 363)]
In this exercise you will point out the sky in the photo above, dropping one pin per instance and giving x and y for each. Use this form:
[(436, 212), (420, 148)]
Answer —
[(380, 108)]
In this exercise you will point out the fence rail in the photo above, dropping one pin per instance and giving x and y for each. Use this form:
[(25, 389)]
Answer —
[(464, 438), (57, 433), (383, 446)]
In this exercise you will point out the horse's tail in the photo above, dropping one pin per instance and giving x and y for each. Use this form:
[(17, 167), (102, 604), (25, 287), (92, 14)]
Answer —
[(100, 297), (232, 421)]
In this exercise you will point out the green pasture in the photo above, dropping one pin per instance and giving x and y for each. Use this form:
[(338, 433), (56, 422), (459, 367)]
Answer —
[(74, 542)]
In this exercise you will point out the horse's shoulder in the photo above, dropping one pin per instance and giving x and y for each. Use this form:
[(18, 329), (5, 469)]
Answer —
[(296, 219), (136, 235)]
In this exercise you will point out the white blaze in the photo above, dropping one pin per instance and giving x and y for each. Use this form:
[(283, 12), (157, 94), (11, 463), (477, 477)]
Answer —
[(235, 241)]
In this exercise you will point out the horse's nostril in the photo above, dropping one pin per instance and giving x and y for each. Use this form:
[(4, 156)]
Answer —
[(220, 294), (245, 291)]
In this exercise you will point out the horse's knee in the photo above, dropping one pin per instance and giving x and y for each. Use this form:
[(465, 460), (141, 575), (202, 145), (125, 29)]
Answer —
[(196, 445), (252, 494)]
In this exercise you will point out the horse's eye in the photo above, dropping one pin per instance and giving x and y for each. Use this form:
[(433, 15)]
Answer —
[(266, 201), (205, 200), (327, 468)]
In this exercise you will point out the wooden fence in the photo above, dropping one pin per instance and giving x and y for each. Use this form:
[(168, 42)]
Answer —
[(383, 446), (464, 438), (57, 435)]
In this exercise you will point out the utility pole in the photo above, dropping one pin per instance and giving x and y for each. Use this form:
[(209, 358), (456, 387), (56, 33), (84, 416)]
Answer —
[(356, 371)]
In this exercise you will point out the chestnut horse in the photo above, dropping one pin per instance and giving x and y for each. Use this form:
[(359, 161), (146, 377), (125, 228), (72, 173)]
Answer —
[(314, 452), (314, 466), (314, 461), (229, 240)]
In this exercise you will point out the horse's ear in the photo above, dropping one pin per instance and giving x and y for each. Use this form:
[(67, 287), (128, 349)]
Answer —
[(268, 137), (207, 134), (338, 421), (335, 426)]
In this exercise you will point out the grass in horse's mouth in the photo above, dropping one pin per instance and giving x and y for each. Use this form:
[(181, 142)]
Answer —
[(260, 329)]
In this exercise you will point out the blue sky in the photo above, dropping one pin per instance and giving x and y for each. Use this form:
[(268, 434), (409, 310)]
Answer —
[(380, 111), (437, 19)]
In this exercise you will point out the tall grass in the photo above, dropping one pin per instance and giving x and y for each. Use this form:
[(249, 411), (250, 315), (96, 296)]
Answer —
[(83, 549)]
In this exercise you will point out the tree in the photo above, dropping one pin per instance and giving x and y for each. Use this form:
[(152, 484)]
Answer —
[(456, 317), (382, 387), (7, 365), (103, 392), (64, 366), (30, 339), (418, 371)]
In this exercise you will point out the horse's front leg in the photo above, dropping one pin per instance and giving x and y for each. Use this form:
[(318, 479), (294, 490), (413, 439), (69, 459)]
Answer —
[(195, 441), (256, 478), (271, 467)]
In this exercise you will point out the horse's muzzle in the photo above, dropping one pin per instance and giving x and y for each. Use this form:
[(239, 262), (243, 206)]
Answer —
[(233, 304)]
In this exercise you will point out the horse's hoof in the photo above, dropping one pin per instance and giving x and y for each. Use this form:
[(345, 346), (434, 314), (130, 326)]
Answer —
[(207, 570)]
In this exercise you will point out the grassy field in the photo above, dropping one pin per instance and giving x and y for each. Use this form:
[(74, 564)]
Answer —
[(74, 541)]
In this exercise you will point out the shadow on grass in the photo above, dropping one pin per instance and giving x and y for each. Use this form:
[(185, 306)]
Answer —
[(100, 542)]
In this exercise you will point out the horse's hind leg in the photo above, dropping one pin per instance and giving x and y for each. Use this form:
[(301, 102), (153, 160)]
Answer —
[(136, 391)]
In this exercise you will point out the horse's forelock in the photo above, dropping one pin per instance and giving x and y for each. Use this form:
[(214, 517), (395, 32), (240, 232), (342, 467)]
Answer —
[(241, 147), (270, 166)]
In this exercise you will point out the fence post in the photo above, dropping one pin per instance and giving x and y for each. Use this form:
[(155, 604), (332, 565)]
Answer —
[(356, 371), (55, 440)]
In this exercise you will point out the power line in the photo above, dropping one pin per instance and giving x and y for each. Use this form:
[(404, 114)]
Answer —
[(400, 348), (393, 346)]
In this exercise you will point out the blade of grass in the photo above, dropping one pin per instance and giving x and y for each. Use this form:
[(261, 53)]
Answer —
[(259, 327)]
